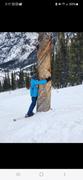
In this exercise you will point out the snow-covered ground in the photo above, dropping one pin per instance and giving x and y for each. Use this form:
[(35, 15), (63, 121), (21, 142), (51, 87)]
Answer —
[(63, 123)]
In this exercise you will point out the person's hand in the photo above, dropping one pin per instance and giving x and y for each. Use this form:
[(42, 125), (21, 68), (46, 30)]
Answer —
[(48, 79)]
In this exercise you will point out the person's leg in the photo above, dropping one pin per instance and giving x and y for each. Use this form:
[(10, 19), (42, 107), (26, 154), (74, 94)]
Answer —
[(32, 106)]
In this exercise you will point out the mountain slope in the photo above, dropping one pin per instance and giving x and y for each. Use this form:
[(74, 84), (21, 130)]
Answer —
[(15, 48)]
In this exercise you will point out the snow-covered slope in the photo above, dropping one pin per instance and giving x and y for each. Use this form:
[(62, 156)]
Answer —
[(63, 123), (15, 48)]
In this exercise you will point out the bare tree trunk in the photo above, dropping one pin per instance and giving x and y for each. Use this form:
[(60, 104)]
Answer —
[(44, 71)]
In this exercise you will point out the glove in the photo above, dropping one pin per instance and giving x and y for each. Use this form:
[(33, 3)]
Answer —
[(48, 79)]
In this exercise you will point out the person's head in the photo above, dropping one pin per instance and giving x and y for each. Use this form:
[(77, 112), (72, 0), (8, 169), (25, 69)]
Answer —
[(34, 76)]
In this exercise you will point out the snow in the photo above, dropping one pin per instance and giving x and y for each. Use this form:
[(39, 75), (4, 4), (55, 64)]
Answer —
[(63, 123)]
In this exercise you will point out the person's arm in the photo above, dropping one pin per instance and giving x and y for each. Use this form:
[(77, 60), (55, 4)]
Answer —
[(41, 82), (37, 82)]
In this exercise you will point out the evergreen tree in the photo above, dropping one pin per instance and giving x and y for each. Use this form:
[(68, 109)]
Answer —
[(6, 83), (21, 82), (61, 63), (27, 81), (13, 81), (67, 61), (0, 87), (80, 57), (76, 60)]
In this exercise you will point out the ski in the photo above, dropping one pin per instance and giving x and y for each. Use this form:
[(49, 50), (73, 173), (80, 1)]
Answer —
[(20, 118)]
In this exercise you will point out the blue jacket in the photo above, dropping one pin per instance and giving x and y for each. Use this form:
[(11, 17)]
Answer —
[(34, 86)]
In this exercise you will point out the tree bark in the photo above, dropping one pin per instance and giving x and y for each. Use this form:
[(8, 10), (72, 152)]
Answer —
[(44, 71)]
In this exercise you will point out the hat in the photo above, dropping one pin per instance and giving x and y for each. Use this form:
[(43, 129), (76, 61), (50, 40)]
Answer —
[(34, 76)]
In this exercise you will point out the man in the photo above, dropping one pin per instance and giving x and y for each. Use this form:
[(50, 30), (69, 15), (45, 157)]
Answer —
[(34, 92)]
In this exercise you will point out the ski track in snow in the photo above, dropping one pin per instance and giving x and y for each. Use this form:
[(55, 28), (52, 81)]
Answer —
[(63, 123)]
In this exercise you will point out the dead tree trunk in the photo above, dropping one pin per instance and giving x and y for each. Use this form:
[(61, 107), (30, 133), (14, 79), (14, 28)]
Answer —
[(44, 71)]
